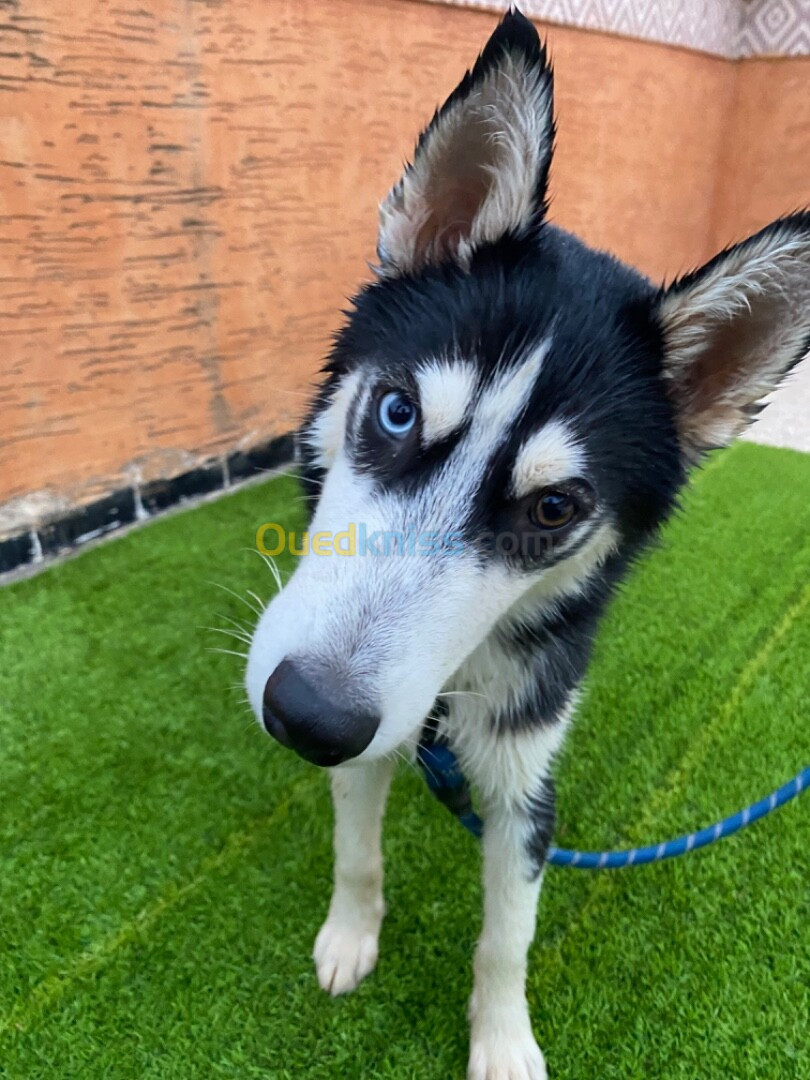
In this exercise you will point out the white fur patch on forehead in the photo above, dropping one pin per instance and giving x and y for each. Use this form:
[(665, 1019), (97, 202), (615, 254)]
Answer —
[(446, 390), (550, 456), (506, 397), (327, 431)]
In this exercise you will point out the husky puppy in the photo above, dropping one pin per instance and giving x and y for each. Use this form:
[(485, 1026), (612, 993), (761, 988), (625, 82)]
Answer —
[(506, 417)]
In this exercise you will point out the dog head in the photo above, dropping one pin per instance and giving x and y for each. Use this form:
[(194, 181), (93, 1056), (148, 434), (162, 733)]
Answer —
[(505, 414)]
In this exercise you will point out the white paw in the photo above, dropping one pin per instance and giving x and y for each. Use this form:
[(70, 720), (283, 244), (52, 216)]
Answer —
[(345, 953), (505, 1054)]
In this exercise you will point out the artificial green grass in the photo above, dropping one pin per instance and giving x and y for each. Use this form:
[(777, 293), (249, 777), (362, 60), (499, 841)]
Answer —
[(165, 867)]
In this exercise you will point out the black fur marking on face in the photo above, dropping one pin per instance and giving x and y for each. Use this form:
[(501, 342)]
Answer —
[(312, 475), (399, 464), (541, 806), (555, 646), (505, 527), (373, 450), (555, 674), (555, 650), (601, 376)]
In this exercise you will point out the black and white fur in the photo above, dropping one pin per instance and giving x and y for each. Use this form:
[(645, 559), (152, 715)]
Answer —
[(535, 368)]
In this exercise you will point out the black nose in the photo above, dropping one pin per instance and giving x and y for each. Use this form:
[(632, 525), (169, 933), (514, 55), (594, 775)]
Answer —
[(299, 716)]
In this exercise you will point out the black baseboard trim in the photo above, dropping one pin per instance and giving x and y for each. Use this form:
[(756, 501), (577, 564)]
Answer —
[(128, 505)]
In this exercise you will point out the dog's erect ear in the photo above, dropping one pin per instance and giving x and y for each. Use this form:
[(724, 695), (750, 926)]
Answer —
[(733, 328), (480, 168)]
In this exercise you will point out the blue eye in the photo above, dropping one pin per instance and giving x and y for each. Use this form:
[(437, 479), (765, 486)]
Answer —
[(396, 413)]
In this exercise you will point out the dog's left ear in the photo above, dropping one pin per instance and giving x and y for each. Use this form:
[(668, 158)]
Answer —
[(480, 169), (733, 328)]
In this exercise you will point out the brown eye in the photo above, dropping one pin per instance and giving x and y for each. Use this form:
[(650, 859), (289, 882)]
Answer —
[(554, 510)]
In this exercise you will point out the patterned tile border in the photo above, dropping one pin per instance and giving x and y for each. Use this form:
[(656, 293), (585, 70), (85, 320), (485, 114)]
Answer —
[(730, 28), (775, 27)]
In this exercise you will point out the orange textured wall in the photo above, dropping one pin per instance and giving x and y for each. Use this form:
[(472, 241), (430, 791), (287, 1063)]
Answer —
[(188, 193), (765, 166)]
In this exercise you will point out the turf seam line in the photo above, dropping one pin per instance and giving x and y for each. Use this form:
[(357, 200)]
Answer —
[(692, 757), (699, 747), (96, 955)]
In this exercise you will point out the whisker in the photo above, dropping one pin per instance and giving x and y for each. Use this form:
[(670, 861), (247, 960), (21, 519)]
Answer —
[(427, 768), (270, 564), (262, 605), (274, 570), (404, 757), (229, 652), (311, 480), (225, 630), (241, 626), (236, 596)]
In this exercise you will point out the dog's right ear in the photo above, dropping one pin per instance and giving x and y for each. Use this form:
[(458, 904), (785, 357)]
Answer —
[(480, 168)]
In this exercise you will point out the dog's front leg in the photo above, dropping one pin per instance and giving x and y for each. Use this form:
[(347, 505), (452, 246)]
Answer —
[(346, 947), (516, 836)]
